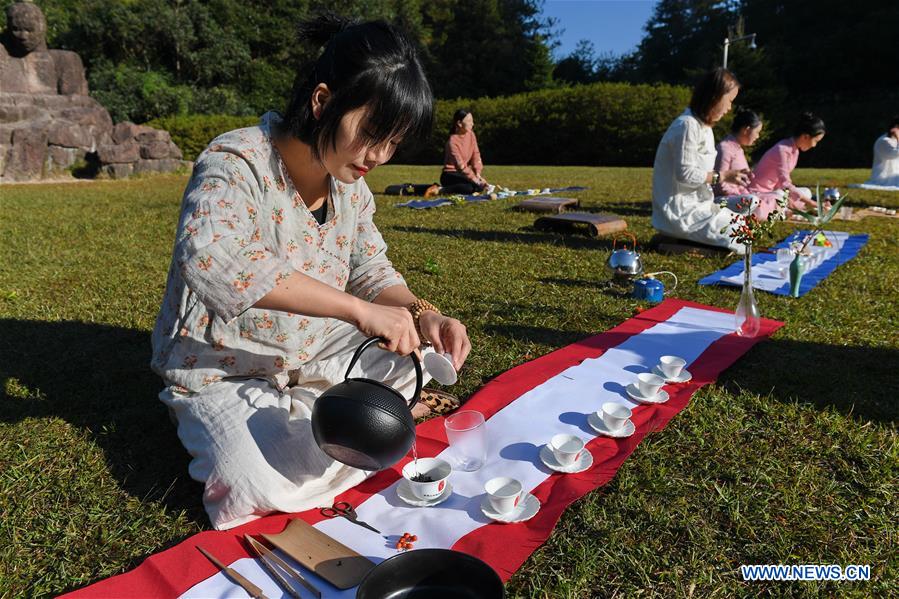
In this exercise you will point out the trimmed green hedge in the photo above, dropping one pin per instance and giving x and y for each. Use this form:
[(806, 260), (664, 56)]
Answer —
[(193, 133), (613, 124)]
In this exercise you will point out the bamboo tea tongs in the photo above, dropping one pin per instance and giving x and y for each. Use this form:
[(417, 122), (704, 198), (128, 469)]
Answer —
[(272, 562)]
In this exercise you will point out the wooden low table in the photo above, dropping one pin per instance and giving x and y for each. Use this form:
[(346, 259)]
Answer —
[(556, 205), (597, 224)]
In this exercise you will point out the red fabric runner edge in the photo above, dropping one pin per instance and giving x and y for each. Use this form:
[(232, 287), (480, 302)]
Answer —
[(171, 572)]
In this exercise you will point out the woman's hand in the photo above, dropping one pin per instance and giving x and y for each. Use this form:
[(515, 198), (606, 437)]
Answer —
[(392, 323), (447, 335), (738, 176)]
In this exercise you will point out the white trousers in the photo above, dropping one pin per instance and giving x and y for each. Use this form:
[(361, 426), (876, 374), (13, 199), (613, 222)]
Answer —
[(252, 444)]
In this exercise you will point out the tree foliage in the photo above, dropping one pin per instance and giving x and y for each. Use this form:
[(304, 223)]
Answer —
[(839, 59), (152, 58)]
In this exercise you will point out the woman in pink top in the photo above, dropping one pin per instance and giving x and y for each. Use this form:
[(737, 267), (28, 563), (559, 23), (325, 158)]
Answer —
[(744, 131), (772, 173), (462, 166)]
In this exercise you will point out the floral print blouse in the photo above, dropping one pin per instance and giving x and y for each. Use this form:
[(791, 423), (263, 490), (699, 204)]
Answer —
[(243, 228)]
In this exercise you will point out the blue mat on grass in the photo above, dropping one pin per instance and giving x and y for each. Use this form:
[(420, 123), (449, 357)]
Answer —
[(765, 266), (438, 202)]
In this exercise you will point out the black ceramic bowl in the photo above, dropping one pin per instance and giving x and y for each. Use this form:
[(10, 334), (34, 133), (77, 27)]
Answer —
[(431, 574)]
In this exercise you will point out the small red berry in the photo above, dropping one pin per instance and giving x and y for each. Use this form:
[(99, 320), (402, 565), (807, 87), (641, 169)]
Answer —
[(413, 538)]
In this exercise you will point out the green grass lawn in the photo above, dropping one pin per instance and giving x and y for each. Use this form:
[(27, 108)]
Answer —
[(791, 458)]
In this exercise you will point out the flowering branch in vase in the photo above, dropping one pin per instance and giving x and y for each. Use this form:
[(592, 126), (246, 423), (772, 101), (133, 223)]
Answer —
[(745, 227)]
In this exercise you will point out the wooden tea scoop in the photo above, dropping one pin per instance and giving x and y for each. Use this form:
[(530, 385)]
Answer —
[(265, 554), (231, 573)]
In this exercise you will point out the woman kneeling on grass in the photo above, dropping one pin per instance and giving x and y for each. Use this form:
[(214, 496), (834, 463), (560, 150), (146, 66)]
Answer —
[(683, 204), (279, 273), (773, 171), (462, 166)]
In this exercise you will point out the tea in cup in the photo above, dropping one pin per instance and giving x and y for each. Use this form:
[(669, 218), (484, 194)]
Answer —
[(427, 477), (503, 493), (566, 448), (649, 384), (614, 415), (672, 366)]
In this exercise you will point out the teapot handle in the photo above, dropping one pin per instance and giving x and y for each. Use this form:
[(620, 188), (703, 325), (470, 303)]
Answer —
[(418, 376), (625, 234)]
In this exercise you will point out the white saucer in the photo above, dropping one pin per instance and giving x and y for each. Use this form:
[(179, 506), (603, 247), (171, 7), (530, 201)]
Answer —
[(597, 424), (404, 492), (633, 392), (683, 377), (527, 508), (584, 461), (440, 367)]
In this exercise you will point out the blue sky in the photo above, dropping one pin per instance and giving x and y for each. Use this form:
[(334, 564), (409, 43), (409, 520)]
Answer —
[(612, 25)]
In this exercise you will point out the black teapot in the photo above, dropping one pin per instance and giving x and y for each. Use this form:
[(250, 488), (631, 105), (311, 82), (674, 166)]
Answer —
[(364, 423)]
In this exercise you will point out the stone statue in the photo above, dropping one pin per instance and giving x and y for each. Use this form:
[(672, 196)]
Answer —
[(49, 123), (27, 66)]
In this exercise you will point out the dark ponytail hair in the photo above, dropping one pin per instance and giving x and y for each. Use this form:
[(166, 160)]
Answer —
[(457, 118), (745, 118), (894, 123), (809, 124), (709, 89), (371, 65)]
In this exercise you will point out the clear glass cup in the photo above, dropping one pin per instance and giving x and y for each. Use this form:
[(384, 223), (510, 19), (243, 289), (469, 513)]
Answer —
[(784, 254), (467, 435)]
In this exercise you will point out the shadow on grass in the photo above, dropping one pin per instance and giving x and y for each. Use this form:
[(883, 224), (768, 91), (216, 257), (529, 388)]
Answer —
[(850, 380), (853, 380), (538, 335), (578, 239), (620, 208), (97, 377)]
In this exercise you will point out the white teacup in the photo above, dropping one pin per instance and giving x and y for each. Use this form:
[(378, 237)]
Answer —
[(614, 415), (649, 384), (672, 366), (434, 468), (503, 493), (566, 448), (439, 366)]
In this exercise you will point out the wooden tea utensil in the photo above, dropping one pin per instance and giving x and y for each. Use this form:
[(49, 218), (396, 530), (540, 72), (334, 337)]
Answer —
[(269, 559), (316, 551), (231, 573)]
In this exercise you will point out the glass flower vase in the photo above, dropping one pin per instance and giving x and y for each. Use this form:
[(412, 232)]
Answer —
[(748, 319), (797, 269)]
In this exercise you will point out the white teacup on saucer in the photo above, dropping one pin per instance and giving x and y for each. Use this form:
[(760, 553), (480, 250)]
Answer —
[(566, 449), (503, 493), (614, 415), (671, 366), (583, 461), (435, 472), (633, 391), (526, 509), (685, 375), (649, 384), (596, 423)]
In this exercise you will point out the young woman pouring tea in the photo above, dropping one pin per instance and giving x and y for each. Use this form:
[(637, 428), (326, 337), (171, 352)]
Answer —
[(278, 273)]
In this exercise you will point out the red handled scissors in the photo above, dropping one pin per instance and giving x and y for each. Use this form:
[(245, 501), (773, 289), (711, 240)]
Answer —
[(345, 510)]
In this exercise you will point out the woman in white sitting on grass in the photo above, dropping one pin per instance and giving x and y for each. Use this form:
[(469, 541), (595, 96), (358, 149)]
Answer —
[(683, 203), (885, 172)]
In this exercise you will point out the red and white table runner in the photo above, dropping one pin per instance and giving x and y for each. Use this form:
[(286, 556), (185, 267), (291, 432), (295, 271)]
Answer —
[(524, 408)]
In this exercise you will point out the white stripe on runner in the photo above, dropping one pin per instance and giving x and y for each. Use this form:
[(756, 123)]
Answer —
[(515, 435)]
